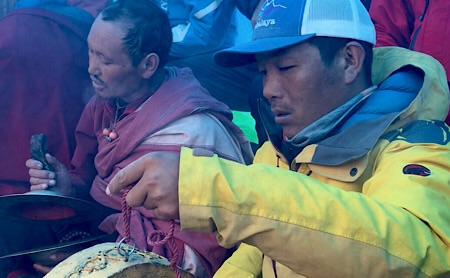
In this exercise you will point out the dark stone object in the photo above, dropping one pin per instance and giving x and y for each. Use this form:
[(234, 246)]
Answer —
[(38, 149)]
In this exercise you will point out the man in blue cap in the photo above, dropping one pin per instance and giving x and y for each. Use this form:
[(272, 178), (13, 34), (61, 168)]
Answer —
[(354, 181)]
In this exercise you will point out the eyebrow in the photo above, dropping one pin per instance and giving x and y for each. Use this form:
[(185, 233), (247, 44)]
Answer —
[(95, 51), (280, 51), (274, 53)]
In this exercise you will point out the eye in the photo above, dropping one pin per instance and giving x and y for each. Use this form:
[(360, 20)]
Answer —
[(263, 72), (105, 61), (286, 68)]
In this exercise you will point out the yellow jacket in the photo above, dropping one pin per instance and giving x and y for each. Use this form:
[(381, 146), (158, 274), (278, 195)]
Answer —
[(366, 217)]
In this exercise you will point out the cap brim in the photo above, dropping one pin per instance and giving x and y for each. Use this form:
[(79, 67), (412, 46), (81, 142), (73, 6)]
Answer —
[(244, 54)]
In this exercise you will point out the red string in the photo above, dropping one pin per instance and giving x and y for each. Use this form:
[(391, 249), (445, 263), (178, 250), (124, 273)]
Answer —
[(167, 238), (126, 213), (153, 237)]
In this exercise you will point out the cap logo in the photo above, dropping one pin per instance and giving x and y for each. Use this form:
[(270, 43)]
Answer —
[(269, 5)]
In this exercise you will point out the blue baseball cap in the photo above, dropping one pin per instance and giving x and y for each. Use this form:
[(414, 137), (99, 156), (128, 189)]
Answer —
[(284, 23)]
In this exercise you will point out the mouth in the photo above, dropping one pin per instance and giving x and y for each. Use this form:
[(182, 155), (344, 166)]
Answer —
[(281, 117), (97, 84)]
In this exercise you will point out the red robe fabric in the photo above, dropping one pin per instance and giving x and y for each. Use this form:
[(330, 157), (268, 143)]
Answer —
[(43, 66), (420, 25)]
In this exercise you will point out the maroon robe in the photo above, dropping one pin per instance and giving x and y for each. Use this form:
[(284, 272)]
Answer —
[(43, 76), (98, 158)]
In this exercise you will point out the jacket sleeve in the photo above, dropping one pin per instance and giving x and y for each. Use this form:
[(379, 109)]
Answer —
[(397, 225), (205, 30), (394, 22), (245, 262)]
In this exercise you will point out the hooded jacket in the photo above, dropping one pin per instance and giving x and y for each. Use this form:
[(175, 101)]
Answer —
[(368, 197)]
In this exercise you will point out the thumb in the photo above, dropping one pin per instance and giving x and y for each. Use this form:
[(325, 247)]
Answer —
[(53, 162)]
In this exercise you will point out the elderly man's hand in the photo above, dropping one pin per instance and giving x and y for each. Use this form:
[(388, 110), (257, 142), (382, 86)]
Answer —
[(57, 180), (156, 177)]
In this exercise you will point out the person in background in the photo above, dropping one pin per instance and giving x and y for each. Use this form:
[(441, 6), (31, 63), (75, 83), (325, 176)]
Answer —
[(44, 84), (366, 3), (142, 106), (354, 180), (200, 28), (44, 87), (419, 25), (94, 7)]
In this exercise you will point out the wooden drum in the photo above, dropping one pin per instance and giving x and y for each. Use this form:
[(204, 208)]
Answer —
[(115, 260)]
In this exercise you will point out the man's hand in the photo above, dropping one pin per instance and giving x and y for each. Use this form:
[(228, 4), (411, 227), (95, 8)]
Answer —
[(41, 179), (156, 189), (53, 259)]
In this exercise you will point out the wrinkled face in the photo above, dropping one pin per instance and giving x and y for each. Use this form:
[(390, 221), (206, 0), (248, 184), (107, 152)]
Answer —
[(110, 67), (299, 86)]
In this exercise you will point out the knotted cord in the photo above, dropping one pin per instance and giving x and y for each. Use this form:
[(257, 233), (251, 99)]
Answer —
[(167, 238), (154, 236), (126, 214)]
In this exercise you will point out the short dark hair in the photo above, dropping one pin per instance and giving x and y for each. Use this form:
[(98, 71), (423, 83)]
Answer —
[(147, 28), (329, 47)]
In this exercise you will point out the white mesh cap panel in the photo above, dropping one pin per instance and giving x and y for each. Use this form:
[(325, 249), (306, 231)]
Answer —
[(349, 19)]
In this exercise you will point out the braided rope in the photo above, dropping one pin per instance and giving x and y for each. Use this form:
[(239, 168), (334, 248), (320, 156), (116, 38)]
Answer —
[(126, 214), (152, 238)]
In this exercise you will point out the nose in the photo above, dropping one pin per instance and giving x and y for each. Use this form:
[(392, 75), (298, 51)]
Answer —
[(93, 68), (272, 88)]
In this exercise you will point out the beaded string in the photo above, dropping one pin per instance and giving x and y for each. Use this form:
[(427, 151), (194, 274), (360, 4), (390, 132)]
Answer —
[(110, 133), (152, 238)]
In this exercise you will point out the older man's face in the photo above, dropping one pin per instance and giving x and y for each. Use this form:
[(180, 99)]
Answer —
[(299, 86), (110, 67)]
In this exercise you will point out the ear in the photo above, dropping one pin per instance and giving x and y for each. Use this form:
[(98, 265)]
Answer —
[(354, 55), (149, 65)]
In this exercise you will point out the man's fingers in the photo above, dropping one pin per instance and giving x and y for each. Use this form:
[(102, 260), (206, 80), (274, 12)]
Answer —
[(137, 197), (126, 176), (42, 186), (41, 174), (167, 213), (33, 164), (42, 268)]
